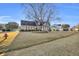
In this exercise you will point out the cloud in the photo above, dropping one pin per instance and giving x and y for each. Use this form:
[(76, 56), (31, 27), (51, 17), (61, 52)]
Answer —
[(6, 19), (2, 17)]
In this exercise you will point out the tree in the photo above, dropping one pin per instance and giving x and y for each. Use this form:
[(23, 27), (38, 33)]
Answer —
[(40, 13), (65, 27), (11, 26), (1, 27)]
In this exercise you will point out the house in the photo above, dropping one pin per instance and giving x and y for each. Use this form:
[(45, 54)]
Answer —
[(2, 26), (60, 27), (57, 27), (66, 27), (75, 28), (33, 26)]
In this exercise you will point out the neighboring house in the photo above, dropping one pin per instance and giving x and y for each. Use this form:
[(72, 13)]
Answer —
[(8, 26), (66, 27), (12, 26), (75, 28), (33, 26), (60, 27), (3, 26), (57, 27), (53, 28)]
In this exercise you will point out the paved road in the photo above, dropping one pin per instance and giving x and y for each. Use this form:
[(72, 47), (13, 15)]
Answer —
[(66, 46)]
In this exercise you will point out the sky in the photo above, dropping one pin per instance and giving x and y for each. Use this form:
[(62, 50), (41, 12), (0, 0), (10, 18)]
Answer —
[(13, 12)]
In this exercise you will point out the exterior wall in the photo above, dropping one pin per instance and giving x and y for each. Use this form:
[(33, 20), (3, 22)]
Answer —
[(23, 27), (30, 27), (61, 29), (57, 27), (43, 28)]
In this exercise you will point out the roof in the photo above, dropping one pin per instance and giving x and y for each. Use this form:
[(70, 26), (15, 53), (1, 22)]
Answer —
[(31, 23), (56, 24)]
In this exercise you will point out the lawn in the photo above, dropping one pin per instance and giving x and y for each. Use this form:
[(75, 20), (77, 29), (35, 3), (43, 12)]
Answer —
[(29, 39), (68, 46)]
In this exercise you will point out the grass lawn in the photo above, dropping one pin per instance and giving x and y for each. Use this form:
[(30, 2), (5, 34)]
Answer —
[(68, 46), (29, 39)]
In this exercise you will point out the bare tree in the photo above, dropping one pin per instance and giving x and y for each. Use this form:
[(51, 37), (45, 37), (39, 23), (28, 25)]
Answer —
[(40, 13)]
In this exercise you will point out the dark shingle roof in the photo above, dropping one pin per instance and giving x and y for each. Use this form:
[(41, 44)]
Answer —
[(31, 23)]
